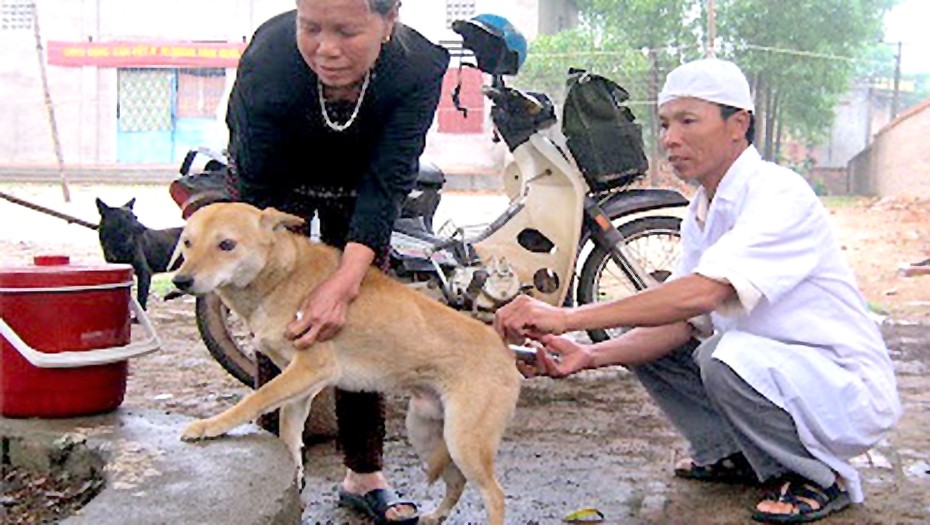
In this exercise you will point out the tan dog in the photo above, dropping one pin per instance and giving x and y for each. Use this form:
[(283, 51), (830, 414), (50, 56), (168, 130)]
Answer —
[(464, 382)]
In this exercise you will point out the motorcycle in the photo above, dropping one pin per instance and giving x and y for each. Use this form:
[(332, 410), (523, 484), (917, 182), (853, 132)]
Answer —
[(574, 231)]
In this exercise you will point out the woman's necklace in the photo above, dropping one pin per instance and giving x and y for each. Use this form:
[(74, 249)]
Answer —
[(358, 105)]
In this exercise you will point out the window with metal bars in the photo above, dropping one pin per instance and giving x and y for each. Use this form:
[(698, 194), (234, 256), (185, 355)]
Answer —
[(459, 9), (16, 14)]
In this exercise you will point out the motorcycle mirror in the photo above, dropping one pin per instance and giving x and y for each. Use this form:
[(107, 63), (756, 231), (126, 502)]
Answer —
[(457, 90)]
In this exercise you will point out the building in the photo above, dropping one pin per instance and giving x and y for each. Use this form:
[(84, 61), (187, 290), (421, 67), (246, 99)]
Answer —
[(138, 82), (859, 115), (131, 82), (897, 162)]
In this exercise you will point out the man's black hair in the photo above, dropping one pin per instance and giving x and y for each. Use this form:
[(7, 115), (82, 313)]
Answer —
[(728, 111)]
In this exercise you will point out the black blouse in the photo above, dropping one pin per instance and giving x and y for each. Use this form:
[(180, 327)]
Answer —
[(282, 149)]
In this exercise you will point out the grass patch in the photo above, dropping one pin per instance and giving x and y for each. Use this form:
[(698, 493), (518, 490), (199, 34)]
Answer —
[(877, 308), (842, 201), (161, 284)]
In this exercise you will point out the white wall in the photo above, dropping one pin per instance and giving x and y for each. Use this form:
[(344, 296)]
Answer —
[(556, 15), (85, 97), (26, 136), (523, 14), (221, 20), (428, 17), (849, 132)]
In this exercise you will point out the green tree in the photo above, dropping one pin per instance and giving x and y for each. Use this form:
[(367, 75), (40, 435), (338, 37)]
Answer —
[(633, 42), (800, 55)]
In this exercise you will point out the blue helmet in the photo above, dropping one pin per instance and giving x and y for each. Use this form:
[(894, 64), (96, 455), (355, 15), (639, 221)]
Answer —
[(499, 46)]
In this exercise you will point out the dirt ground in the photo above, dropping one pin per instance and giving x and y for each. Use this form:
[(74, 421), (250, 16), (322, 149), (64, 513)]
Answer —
[(593, 440)]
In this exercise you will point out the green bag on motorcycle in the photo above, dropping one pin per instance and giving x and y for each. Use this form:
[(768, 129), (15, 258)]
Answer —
[(601, 133)]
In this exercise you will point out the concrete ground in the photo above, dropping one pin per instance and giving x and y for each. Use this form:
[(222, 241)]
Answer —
[(593, 440), (152, 478)]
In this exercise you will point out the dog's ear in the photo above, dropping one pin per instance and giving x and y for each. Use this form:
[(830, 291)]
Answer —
[(273, 219), (130, 204), (101, 206)]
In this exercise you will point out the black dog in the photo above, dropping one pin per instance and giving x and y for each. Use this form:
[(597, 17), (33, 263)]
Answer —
[(126, 240)]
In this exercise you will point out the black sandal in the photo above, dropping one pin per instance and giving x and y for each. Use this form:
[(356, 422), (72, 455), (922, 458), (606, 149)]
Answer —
[(809, 502), (734, 469), (376, 503)]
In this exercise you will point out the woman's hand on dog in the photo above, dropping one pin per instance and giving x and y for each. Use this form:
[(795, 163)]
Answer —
[(323, 313), (557, 356)]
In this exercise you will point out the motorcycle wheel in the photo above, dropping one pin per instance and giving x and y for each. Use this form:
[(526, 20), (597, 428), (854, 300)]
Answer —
[(227, 338), (653, 241)]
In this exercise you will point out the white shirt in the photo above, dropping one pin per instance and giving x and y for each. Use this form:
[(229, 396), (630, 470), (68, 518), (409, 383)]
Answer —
[(800, 333)]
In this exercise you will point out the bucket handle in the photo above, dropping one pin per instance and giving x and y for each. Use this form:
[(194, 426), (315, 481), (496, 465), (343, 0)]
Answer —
[(100, 356)]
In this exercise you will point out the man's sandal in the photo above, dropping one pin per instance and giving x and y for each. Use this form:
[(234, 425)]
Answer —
[(731, 469), (376, 503), (808, 501)]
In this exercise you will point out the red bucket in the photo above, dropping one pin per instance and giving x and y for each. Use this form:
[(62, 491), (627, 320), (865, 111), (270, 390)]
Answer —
[(65, 338)]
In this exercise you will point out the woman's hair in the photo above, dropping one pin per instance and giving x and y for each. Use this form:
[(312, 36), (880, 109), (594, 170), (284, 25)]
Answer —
[(382, 7)]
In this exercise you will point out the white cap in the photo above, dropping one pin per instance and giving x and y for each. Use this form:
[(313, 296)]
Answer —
[(709, 79)]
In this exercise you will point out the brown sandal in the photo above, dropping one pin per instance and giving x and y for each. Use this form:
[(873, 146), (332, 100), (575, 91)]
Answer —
[(809, 502)]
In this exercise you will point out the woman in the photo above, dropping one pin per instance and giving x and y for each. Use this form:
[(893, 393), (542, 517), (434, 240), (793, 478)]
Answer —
[(328, 115)]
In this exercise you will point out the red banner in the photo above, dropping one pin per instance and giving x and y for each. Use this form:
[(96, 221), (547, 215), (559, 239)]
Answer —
[(142, 54)]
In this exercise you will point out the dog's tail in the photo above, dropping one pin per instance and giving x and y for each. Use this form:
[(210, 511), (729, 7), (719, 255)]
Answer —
[(438, 461)]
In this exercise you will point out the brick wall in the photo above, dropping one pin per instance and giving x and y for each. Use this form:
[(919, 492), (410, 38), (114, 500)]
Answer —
[(829, 181), (897, 163)]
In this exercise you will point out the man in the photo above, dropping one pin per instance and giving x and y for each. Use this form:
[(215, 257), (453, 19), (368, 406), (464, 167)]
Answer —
[(794, 379)]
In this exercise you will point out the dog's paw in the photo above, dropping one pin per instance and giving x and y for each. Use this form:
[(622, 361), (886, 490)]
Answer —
[(201, 429), (299, 477)]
